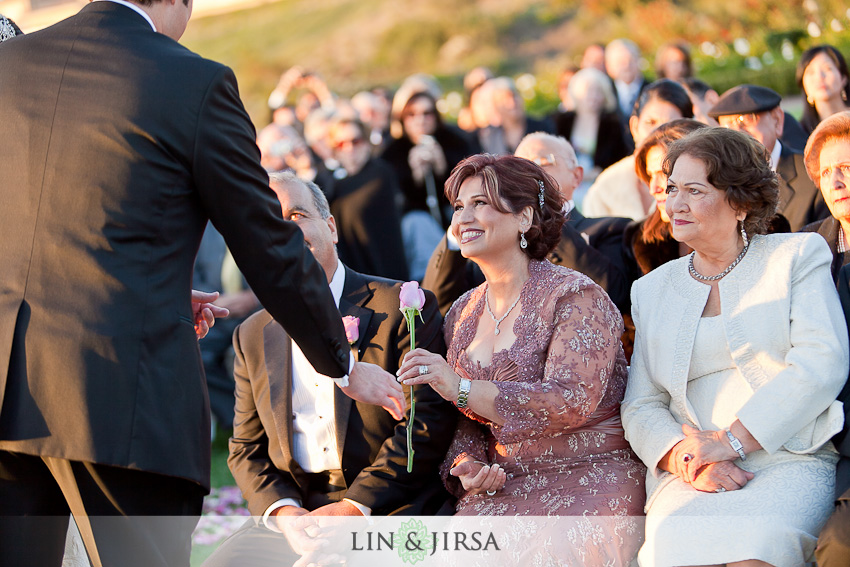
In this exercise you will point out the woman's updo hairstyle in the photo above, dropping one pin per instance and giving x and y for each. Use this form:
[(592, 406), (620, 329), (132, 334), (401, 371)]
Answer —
[(511, 184)]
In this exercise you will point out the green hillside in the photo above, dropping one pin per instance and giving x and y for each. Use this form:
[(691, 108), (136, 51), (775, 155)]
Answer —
[(363, 43)]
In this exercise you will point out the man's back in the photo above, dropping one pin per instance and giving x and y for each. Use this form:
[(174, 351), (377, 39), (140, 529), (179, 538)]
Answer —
[(124, 142)]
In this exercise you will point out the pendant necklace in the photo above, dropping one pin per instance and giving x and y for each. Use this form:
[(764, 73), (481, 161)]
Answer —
[(490, 311)]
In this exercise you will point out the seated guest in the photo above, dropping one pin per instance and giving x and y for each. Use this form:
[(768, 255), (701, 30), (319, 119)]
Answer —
[(592, 126), (423, 152), (822, 74), (501, 117), (649, 243), (618, 192), (756, 111), (740, 352), (834, 542), (828, 164), (535, 365), (591, 246), (673, 61), (302, 449), (703, 97), (366, 205)]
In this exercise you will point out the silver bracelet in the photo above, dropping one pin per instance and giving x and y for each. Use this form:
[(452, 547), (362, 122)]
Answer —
[(736, 444), (463, 392)]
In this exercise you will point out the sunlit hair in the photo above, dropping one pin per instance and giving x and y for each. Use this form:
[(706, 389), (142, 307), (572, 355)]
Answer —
[(320, 201), (594, 76), (654, 228), (737, 164), (511, 184), (836, 127)]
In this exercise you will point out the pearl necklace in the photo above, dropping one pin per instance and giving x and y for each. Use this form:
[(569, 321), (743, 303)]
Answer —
[(728, 269), (490, 311)]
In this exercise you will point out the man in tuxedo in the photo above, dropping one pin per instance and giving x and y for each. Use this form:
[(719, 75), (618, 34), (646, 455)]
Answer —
[(122, 145), (592, 246), (622, 58), (300, 447), (756, 111)]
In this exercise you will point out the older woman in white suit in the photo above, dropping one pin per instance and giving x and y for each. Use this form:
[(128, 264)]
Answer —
[(740, 352)]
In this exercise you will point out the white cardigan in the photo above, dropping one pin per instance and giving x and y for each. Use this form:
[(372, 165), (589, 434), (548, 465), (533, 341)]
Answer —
[(786, 333)]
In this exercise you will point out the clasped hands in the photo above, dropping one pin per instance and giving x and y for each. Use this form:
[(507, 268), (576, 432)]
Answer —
[(704, 459), (316, 536)]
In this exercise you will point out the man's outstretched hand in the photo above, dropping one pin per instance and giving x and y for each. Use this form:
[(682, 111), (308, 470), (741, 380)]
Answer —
[(204, 312), (372, 384)]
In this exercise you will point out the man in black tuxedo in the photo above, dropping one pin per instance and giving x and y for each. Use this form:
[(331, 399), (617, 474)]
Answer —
[(756, 111), (300, 447), (592, 246), (123, 144)]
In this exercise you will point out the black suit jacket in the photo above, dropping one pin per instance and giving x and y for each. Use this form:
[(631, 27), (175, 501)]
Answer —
[(372, 444), (799, 200), (592, 246), (125, 144), (828, 228), (368, 221)]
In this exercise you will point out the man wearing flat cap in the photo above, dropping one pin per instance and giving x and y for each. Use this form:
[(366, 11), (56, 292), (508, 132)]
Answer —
[(756, 111)]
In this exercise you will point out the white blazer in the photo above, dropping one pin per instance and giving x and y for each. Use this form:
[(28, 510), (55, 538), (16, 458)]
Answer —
[(785, 330)]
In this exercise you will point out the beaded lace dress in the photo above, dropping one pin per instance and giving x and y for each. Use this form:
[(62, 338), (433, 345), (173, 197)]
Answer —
[(562, 443)]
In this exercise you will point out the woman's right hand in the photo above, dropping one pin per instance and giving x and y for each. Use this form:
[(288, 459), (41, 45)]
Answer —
[(723, 476), (477, 477)]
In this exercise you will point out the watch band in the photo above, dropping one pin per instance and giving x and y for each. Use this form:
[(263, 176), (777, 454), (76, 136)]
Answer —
[(463, 392), (736, 444)]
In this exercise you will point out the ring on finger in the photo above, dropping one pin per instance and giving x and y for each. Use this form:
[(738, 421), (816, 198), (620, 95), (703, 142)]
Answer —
[(687, 458), (423, 369), (721, 489), (491, 493)]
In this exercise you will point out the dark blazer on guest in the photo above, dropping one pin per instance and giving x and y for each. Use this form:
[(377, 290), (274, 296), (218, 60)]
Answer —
[(799, 199), (125, 143), (828, 228), (372, 444), (610, 146), (368, 221), (592, 246)]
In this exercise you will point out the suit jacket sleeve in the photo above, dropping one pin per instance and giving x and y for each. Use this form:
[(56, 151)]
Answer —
[(574, 252), (386, 485), (269, 251), (650, 428), (261, 482)]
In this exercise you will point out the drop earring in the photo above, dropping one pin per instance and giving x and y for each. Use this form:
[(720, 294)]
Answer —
[(744, 235), (523, 243)]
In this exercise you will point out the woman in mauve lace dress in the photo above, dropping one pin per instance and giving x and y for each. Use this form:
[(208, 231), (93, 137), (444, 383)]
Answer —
[(536, 366)]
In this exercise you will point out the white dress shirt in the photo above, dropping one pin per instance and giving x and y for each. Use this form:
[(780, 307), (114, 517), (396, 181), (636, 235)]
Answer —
[(313, 416), (774, 155)]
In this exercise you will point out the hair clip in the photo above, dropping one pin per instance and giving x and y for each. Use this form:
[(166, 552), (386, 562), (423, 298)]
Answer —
[(540, 196)]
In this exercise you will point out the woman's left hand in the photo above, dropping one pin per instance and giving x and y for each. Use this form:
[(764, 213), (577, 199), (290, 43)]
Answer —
[(702, 448), (437, 373)]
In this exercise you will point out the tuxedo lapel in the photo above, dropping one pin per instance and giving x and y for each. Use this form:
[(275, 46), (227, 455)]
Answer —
[(355, 294), (787, 173), (277, 348)]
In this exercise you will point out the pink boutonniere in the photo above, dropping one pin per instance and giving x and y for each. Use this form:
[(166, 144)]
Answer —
[(352, 328)]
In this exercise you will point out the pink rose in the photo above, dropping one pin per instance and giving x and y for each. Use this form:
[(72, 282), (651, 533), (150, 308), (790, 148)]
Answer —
[(352, 328), (411, 297)]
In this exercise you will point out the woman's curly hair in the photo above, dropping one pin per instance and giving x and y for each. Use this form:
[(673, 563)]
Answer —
[(737, 164), (511, 184)]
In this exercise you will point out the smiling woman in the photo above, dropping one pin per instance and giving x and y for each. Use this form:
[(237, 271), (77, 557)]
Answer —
[(536, 366), (757, 328)]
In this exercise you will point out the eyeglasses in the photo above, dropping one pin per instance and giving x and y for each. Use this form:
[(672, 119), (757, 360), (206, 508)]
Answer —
[(348, 144), (844, 168), (739, 120), (548, 159)]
